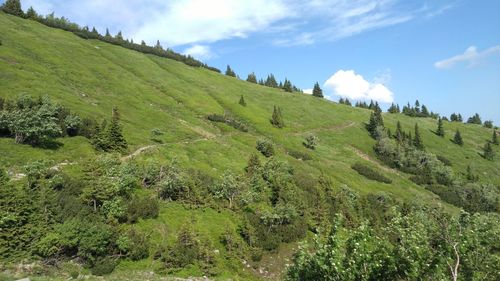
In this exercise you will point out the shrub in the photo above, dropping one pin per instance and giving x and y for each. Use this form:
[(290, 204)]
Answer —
[(265, 147), (238, 125), (103, 266), (299, 155), (145, 208), (310, 142), (444, 160), (370, 173), (134, 244)]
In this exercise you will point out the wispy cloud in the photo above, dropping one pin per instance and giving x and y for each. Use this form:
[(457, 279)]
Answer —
[(349, 84), (471, 57), (201, 22)]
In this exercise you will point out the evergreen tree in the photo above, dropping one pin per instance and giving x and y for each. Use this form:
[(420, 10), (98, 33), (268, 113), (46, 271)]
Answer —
[(242, 101), (114, 135), (488, 152), (271, 81), (458, 138), (494, 138), (372, 105), (287, 86), (277, 118), (252, 78), (417, 140), (317, 92), (341, 101), (230, 72), (425, 111), (13, 7), (158, 45), (417, 106), (31, 14), (119, 36), (347, 102), (108, 35), (459, 118), (453, 117), (253, 165), (393, 108), (476, 119), (440, 129), (399, 133), (375, 122), (470, 175), (488, 124)]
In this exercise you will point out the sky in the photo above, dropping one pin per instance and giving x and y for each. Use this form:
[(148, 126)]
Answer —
[(444, 53)]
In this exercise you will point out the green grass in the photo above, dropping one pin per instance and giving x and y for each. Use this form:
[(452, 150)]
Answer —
[(90, 77)]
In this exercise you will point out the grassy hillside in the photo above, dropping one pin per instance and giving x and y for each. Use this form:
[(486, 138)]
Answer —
[(90, 77)]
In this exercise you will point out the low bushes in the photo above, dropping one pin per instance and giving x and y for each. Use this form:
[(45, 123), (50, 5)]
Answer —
[(265, 147), (370, 173), (238, 125)]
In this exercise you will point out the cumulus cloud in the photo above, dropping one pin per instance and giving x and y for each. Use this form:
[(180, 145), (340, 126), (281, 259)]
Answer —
[(200, 52), (471, 57), (348, 84)]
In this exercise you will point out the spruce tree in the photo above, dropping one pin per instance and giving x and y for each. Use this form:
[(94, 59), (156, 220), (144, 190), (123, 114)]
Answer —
[(252, 78), (277, 118), (476, 119), (230, 72), (440, 129), (287, 86), (108, 35), (31, 14), (399, 133), (347, 102), (488, 152), (417, 140), (242, 101), (494, 138), (317, 92), (458, 138), (114, 134), (271, 81), (376, 121), (13, 7)]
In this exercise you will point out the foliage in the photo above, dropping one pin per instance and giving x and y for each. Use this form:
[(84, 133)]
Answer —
[(242, 101), (230, 72), (103, 266), (13, 7), (277, 118), (145, 208), (299, 155), (252, 78), (458, 138), (265, 147), (370, 173), (317, 92), (228, 187), (488, 152), (440, 129), (311, 141), (229, 120), (475, 119)]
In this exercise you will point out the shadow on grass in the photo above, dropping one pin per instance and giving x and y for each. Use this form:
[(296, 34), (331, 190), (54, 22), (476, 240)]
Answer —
[(49, 144)]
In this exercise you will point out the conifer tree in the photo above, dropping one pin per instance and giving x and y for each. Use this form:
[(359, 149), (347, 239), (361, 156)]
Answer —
[(252, 78), (271, 81), (399, 133), (277, 118), (453, 117), (393, 108), (488, 152), (317, 92), (440, 129), (376, 121), (287, 86), (119, 36), (347, 102), (341, 101), (494, 138), (253, 165), (230, 72), (13, 7), (470, 175), (108, 35), (425, 111), (458, 138), (158, 45), (459, 118), (417, 140), (372, 105), (476, 119), (114, 134), (242, 101), (31, 14), (488, 124)]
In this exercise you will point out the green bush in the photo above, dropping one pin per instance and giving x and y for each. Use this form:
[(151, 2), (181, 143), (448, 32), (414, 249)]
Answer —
[(370, 173), (265, 147), (444, 160), (238, 125), (103, 266), (299, 155), (145, 208), (311, 141)]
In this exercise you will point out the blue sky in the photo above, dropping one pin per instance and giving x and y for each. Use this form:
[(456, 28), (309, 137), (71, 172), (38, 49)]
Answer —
[(444, 53)]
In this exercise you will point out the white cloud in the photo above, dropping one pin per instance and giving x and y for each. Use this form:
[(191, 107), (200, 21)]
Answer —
[(200, 52), (348, 84), (200, 22), (471, 56), (308, 91)]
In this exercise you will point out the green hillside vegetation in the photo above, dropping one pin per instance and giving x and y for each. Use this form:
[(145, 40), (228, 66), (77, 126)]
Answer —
[(197, 173)]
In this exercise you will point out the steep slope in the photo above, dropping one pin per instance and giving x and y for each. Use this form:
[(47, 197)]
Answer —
[(90, 77)]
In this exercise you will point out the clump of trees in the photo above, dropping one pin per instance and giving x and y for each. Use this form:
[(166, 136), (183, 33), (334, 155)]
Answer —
[(418, 111), (370, 173), (456, 117), (475, 119), (317, 91), (265, 147), (345, 101), (110, 137), (230, 72)]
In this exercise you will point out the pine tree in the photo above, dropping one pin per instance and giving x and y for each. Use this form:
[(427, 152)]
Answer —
[(277, 118), (417, 140), (375, 122), (158, 45), (253, 165), (488, 152), (399, 133), (230, 72), (459, 118), (108, 35), (347, 102), (317, 92), (425, 111), (341, 101), (458, 138), (393, 108), (271, 81), (13, 7), (372, 105), (494, 138), (453, 117), (252, 78), (440, 129), (31, 14), (287, 86), (119, 36), (114, 134), (476, 119), (242, 101)]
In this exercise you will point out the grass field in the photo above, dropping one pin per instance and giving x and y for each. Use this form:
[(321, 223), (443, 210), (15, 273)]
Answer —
[(90, 77)]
